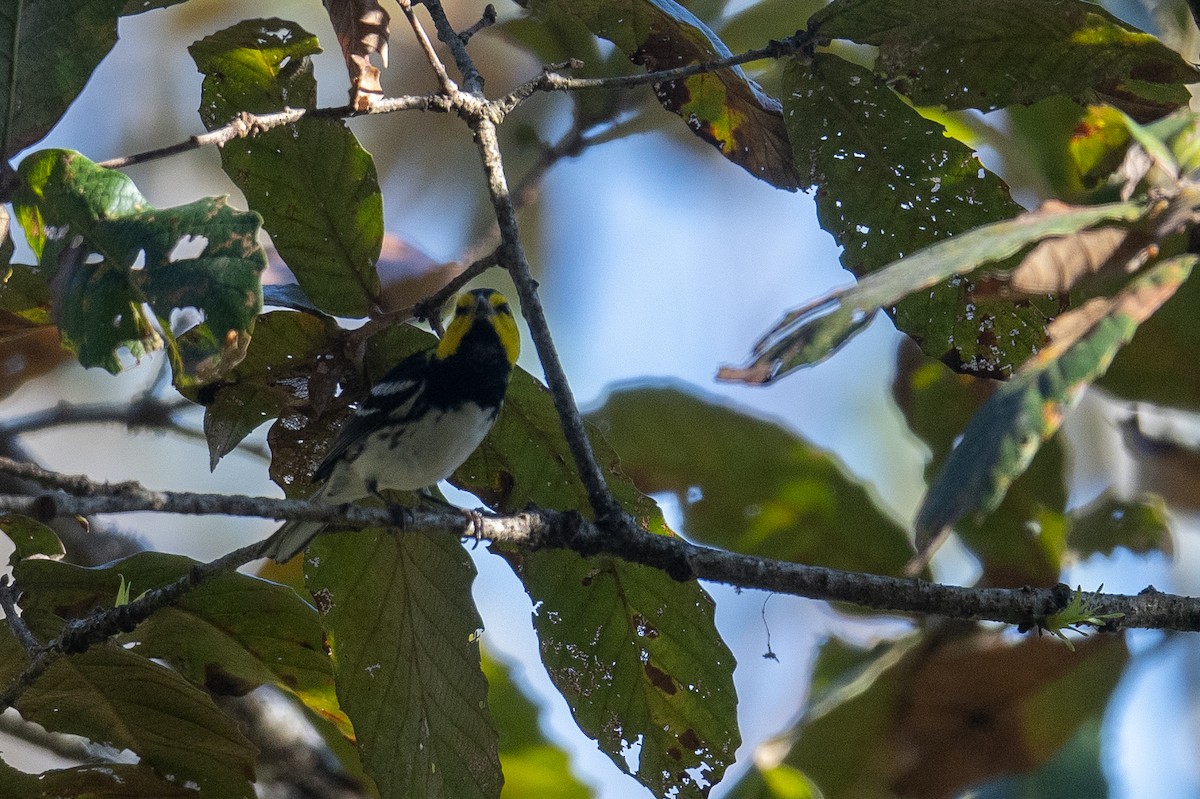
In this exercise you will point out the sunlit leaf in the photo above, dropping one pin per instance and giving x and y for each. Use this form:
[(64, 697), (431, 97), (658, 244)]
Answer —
[(105, 253), (207, 636), (30, 538), (1003, 437), (1035, 49), (313, 183)]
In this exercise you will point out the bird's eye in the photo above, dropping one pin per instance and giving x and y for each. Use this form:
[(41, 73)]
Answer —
[(462, 310), (503, 308)]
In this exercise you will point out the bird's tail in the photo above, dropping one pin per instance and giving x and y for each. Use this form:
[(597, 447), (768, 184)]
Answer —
[(291, 539)]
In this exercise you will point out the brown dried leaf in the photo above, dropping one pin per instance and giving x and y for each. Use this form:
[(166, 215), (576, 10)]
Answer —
[(407, 275), (979, 708), (1056, 264), (362, 31)]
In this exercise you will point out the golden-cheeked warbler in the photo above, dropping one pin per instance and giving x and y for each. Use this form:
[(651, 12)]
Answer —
[(422, 420)]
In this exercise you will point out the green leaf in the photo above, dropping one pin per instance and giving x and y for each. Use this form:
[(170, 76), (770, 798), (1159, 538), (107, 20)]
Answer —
[(1075, 772), (813, 332), (30, 538), (88, 225), (44, 67), (1150, 368), (1140, 525), (404, 636), (120, 699), (620, 641), (890, 182), (532, 765), (25, 295), (749, 485), (1003, 437), (725, 108), (637, 658), (313, 183), (1024, 541), (1034, 49), (207, 636), (106, 781)]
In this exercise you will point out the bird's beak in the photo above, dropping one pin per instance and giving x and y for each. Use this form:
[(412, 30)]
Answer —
[(483, 306)]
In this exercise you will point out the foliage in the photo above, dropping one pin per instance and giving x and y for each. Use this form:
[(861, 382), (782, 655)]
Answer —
[(381, 649)]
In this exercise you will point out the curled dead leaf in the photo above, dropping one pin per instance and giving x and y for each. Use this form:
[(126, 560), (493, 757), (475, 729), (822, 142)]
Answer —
[(362, 31)]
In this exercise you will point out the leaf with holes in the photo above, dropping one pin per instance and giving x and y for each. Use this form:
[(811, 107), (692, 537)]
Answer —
[(90, 227), (813, 332), (311, 180), (621, 641), (1035, 49)]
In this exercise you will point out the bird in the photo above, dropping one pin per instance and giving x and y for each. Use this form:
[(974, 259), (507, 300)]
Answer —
[(423, 418)]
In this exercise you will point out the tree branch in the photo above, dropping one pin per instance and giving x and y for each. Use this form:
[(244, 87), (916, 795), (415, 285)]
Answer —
[(538, 529)]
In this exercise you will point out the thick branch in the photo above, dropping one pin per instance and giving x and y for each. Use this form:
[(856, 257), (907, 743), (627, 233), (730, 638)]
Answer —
[(537, 529)]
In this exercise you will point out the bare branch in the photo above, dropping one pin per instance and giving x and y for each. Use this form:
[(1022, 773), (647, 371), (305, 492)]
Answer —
[(247, 125), (448, 86), (472, 80), (539, 529)]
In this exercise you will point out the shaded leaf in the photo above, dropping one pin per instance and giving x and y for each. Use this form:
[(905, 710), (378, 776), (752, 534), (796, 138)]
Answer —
[(621, 641), (44, 70), (313, 183), (403, 631), (890, 182), (637, 658), (139, 6), (90, 226), (747, 484), (1035, 49), (1140, 525), (288, 356), (1075, 772), (533, 766), (1022, 542), (120, 699), (812, 332), (724, 108), (361, 27), (30, 538), (1002, 438), (107, 781), (932, 720)]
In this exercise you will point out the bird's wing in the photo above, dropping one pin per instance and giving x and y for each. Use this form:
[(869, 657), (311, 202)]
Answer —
[(394, 393)]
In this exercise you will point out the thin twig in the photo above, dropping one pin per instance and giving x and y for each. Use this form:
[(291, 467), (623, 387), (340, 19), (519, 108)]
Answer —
[(430, 308), (448, 86), (472, 80), (486, 21), (608, 511), (248, 125)]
